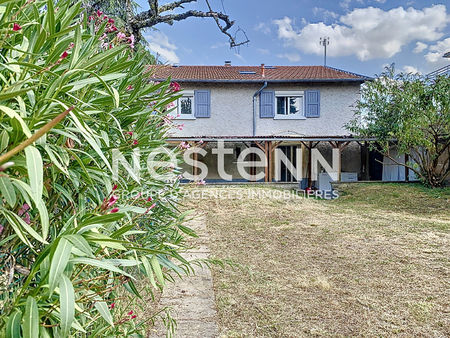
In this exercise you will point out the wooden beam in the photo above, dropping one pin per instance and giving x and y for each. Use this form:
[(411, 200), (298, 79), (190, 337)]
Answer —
[(260, 146), (194, 168), (309, 164), (266, 168)]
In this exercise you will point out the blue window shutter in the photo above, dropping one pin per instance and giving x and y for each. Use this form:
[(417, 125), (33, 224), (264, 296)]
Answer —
[(312, 103), (267, 104), (202, 100)]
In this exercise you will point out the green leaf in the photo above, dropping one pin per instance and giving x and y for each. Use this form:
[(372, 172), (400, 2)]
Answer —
[(98, 264), (103, 309), (80, 243), (35, 171), (103, 57), (59, 262), (103, 219), (13, 324), (67, 304), (50, 17), (30, 325), (157, 269), (19, 226), (13, 115), (6, 95), (105, 241), (7, 190)]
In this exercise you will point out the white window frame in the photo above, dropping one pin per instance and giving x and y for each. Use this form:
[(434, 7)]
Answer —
[(177, 110), (290, 93)]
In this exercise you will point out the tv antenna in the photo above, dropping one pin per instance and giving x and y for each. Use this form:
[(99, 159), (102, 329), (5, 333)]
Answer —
[(325, 41)]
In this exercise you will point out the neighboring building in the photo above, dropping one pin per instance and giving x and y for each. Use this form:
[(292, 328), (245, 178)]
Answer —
[(269, 107)]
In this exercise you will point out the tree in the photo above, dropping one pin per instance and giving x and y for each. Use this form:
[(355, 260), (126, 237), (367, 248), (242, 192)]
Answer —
[(411, 113), (74, 236), (168, 13)]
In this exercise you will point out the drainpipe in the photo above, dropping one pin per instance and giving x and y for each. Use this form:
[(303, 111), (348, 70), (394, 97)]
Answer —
[(254, 110)]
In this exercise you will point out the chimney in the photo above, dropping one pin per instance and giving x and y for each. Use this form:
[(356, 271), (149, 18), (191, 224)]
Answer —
[(263, 70), (228, 63)]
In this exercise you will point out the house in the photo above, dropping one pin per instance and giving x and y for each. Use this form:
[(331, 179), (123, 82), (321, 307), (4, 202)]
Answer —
[(270, 107)]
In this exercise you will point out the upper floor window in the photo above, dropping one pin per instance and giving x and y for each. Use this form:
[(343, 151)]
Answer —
[(289, 104), (185, 106)]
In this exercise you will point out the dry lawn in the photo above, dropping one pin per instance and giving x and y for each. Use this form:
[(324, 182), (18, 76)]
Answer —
[(374, 262)]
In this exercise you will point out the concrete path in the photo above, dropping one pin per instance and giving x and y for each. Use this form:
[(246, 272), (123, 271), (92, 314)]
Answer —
[(191, 299)]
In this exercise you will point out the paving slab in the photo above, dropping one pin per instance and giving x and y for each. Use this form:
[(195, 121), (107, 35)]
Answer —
[(191, 299)]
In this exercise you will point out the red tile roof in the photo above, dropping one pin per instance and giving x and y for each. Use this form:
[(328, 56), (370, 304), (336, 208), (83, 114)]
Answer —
[(252, 74)]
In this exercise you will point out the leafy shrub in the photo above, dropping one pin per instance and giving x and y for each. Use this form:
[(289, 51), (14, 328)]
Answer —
[(72, 235)]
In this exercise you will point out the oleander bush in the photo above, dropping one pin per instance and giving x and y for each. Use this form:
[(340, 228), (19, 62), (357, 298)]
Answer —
[(76, 228)]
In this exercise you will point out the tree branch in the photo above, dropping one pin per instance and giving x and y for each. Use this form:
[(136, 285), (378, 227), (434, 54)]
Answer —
[(173, 5), (152, 17)]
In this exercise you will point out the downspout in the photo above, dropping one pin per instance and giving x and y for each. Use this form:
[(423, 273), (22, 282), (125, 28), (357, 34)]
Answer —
[(254, 110)]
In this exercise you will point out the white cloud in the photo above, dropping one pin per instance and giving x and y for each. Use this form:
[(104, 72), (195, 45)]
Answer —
[(292, 57), (263, 51), (420, 47), (411, 69), (325, 14), (368, 32), (159, 44), (345, 4), (437, 51), (263, 28)]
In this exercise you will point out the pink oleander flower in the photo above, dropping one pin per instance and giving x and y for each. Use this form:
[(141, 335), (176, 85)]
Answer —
[(184, 145), (129, 133), (23, 209), (112, 306), (133, 316), (149, 199), (27, 218), (90, 18), (121, 36), (114, 210), (63, 55), (16, 27), (99, 13), (130, 313), (131, 39), (1, 228), (113, 199), (201, 182), (135, 142), (114, 187), (175, 86), (111, 21), (130, 87), (103, 37), (200, 142)]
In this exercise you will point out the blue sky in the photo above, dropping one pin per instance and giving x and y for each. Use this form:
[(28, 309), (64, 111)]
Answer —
[(365, 35)]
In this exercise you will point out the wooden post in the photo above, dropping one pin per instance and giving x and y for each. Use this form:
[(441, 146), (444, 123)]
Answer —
[(309, 147), (194, 168), (266, 168)]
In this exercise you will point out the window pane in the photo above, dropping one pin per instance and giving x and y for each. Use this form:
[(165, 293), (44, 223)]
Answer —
[(281, 105), (186, 105), (294, 105)]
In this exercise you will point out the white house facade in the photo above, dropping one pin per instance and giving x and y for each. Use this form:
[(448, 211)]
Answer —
[(277, 107)]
